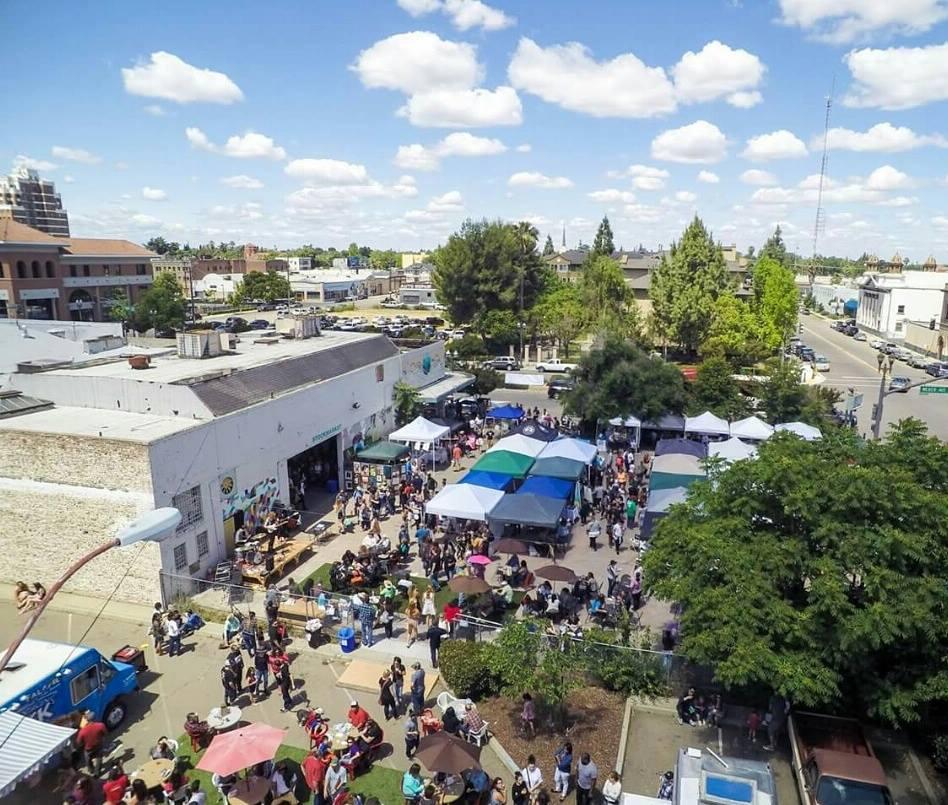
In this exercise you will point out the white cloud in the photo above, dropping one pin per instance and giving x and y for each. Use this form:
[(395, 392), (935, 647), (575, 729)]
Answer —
[(759, 178), (539, 180), (457, 144), (780, 144), (23, 161), (524, 148), (941, 221), (643, 213), (686, 196), (464, 14), (840, 21), (75, 155), (418, 61), (169, 77), (899, 201), (856, 191), (417, 157), (888, 178), (327, 172), (68, 179), (645, 177), (708, 177), (155, 110), (154, 194), (612, 196), (568, 75), (464, 108), (719, 71), (242, 182), (698, 142), (251, 145), (883, 137), (121, 166), (898, 78), (140, 219), (450, 201), (318, 202)]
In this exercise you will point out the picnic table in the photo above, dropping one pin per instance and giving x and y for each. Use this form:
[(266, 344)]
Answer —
[(284, 557), (153, 772)]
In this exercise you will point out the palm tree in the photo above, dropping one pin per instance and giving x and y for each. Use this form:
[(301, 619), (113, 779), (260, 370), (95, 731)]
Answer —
[(406, 400)]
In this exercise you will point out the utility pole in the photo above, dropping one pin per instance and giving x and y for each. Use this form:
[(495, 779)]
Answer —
[(885, 367), (820, 222)]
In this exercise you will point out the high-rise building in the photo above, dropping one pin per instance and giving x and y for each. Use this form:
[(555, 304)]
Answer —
[(30, 200)]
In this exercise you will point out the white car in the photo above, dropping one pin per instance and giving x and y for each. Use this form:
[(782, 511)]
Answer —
[(877, 343), (555, 365), (860, 336), (821, 363)]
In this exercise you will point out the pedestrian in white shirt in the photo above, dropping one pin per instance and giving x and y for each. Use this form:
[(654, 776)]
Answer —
[(532, 777), (612, 789)]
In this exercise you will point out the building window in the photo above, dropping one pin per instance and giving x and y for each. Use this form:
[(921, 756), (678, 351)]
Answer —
[(106, 271), (84, 685), (85, 270), (35, 269), (180, 556), (204, 547), (72, 271), (140, 269), (189, 504), (900, 310), (2, 272), (21, 269), (380, 373), (898, 327), (50, 269)]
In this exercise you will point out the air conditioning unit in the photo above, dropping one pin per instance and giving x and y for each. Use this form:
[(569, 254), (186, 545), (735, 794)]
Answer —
[(199, 344)]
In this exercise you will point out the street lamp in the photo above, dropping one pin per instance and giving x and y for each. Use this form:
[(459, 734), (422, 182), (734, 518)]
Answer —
[(885, 364), (154, 525)]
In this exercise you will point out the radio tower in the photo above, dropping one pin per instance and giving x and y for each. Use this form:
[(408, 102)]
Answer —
[(820, 223)]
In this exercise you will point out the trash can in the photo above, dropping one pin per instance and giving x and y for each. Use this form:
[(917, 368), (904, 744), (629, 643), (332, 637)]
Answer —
[(347, 639), (332, 486)]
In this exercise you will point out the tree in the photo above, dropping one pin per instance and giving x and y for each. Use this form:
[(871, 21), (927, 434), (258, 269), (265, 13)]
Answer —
[(158, 245), (498, 328), (685, 286), (782, 395), (776, 300), (548, 247), (560, 313), (716, 390), (603, 243), (608, 302), (480, 269), (775, 249), (485, 380), (619, 378), (161, 306), (263, 285), (407, 402), (817, 570), (735, 333)]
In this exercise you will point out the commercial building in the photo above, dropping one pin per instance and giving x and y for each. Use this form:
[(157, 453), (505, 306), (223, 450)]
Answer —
[(888, 302), (930, 337), (331, 285), (192, 273), (48, 277), (30, 200), (220, 438), (35, 340), (297, 264), (410, 259)]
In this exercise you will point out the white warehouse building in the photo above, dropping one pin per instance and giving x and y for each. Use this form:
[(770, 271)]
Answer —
[(85, 448), (888, 302)]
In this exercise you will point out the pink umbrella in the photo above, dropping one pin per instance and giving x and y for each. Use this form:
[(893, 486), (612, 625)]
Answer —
[(241, 748), (479, 559)]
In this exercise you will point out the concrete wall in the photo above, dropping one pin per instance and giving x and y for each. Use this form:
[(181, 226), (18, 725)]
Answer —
[(920, 337)]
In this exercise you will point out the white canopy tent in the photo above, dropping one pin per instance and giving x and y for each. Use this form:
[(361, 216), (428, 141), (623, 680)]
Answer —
[(518, 443), (28, 746), (574, 449), (731, 450), (625, 421), (753, 428), (707, 424), (801, 429), (677, 464), (465, 501), (420, 431)]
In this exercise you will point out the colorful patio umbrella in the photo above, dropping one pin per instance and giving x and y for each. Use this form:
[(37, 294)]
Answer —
[(504, 462), (469, 585), (479, 559), (556, 573), (511, 545), (447, 753), (241, 748)]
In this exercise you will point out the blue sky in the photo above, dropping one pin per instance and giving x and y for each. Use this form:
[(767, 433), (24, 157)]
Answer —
[(388, 122)]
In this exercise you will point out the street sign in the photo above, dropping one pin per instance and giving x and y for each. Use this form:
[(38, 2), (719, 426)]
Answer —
[(853, 402), (933, 389)]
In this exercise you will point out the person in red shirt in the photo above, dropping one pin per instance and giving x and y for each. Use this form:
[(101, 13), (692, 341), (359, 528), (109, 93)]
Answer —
[(90, 739), (114, 788), (314, 771), (357, 716)]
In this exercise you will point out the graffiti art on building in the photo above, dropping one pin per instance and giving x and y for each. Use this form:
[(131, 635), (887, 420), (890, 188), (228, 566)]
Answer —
[(255, 502)]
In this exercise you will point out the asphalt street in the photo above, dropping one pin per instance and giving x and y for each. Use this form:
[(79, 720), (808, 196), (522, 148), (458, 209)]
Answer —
[(853, 365)]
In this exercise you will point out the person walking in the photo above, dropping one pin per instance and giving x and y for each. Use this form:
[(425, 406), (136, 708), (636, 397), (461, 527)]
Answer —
[(285, 681), (586, 776), (412, 733), (90, 739), (387, 696), (417, 688), (261, 667), (612, 577), (533, 777), (562, 768), (398, 680), (412, 617), (365, 613), (230, 683), (435, 633), (528, 716), (618, 534)]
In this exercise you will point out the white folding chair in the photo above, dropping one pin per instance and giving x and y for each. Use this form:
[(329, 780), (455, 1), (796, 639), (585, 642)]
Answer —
[(478, 738)]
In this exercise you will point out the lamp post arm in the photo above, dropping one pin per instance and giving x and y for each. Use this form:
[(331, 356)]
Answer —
[(56, 587)]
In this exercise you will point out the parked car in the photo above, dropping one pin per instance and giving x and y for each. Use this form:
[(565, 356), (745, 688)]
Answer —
[(900, 384), (937, 369), (821, 363), (917, 361), (901, 354), (266, 306), (807, 354), (888, 348), (435, 321), (877, 343), (859, 336), (559, 385), (555, 365), (260, 324), (502, 363)]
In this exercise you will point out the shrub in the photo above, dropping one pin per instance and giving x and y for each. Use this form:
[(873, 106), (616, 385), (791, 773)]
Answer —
[(940, 752), (470, 346), (466, 668)]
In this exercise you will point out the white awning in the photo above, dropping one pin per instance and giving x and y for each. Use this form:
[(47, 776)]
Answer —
[(625, 421), (752, 428), (450, 383), (518, 443), (420, 430), (574, 449), (464, 501), (801, 429), (26, 745), (707, 423), (732, 449)]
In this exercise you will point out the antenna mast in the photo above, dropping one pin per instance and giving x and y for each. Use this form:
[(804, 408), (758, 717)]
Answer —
[(820, 223)]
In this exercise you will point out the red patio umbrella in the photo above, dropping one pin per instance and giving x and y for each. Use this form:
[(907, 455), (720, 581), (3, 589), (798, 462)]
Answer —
[(556, 573), (241, 748)]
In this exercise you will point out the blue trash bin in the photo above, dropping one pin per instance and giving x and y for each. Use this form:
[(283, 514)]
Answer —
[(332, 486), (347, 639)]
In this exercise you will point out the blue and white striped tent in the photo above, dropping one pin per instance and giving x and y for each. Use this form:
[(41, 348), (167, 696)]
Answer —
[(26, 747)]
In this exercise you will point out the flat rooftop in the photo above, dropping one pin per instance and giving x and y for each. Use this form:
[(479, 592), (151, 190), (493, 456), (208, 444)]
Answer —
[(98, 422)]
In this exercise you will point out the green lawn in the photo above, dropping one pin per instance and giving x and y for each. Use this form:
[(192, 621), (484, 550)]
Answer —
[(442, 597), (380, 782)]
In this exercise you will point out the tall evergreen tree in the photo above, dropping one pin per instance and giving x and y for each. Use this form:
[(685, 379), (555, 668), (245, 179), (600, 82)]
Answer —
[(686, 285), (775, 248), (548, 247), (604, 244)]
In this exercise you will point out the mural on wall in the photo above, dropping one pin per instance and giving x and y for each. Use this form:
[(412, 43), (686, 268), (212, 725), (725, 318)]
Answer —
[(254, 502), (423, 366)]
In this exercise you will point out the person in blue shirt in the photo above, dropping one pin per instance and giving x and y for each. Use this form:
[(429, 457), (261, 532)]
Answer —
[(563, 768), (412, 784)]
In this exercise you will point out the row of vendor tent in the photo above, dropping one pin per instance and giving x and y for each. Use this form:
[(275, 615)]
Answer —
[(677, 464), (421, 432), (751, 428)]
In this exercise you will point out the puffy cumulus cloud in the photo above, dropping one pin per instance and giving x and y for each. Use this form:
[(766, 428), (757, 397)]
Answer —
[(75, 155), (841, 21), (940, 221), (686, 196), (316, 202), (154, 194), (464, 108), (450, 201), (327, 172), (612, 196), (24, 161), (173, 79), (719, 71), (251, 145), (758, 178), (569, 76), (643, 213), (141, 220), (888, 178), (898, 78), (698, 142), (883, 137), (459, 144), (539, 180), (418, 61), (899, 201), (780, 144), (464, 14), (644, 177), (242, 182), (248, 211), (524, 148), (708, 177)]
